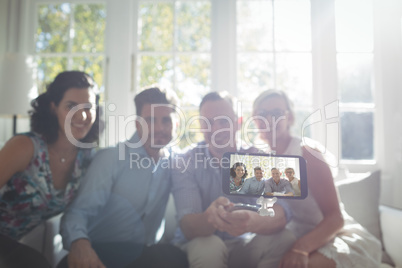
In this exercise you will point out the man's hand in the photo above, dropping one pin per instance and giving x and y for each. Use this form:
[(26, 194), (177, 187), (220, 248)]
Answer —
[(216, 213), (82, 255), (238, 222), (234, 223)]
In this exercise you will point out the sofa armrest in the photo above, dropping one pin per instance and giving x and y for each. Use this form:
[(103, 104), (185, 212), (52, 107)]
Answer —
[(391, 222)]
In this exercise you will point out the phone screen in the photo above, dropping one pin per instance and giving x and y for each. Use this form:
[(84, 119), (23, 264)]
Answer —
[(282, 176)]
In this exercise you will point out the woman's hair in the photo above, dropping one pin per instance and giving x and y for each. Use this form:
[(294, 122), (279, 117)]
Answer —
[(270, 93), (233, 170), (44, 121), (289, 168)]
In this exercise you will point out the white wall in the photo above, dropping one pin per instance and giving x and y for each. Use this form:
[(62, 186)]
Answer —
[(4, 123), (12, 29)]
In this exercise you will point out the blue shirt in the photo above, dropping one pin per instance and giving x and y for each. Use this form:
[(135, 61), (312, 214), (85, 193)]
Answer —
[(122, 198), (197, 182), (283, 186), (253, 186)]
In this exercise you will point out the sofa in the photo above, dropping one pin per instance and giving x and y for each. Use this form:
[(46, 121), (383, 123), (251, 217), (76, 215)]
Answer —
[(360, 194)]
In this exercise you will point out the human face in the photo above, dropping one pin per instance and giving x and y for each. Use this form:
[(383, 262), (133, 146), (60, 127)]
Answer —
[(157, 127), (276, 175), (76, 121), (218, 123), (239, 170), (289, 173), (258, 174), (273, 119)]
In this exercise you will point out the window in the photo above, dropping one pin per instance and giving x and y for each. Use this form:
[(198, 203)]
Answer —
[(274, 51), (354, 45), (242, 46), (69, 36), (174, 51)]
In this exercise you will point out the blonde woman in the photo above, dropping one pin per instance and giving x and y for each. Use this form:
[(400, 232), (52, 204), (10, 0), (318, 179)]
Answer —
[(295, 182), (326, 235)]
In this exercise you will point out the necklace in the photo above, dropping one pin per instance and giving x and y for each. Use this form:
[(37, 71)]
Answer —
[(62, 158)]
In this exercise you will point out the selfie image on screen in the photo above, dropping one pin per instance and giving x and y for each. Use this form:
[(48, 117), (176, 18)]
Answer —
[(267, 175)]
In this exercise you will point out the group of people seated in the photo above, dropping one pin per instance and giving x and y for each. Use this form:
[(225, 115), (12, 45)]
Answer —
[(113, 213), (257, 185)]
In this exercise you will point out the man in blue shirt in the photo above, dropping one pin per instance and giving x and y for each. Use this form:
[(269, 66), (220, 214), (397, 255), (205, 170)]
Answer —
[(277, 186), (115, 217), (254, 185), (211, 235)]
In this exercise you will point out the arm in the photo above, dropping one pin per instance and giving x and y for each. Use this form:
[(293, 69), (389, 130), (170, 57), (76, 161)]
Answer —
[(82, 255), (15, 157), (323, 190), (289, 189), (192, 219), (268, 189), (92, 196)]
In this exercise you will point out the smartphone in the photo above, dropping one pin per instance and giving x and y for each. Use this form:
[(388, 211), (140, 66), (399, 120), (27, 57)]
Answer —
[(241, 206), (282, 176)]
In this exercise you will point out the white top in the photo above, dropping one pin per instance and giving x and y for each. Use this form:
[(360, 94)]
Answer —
[(295, 185), (353, 245)]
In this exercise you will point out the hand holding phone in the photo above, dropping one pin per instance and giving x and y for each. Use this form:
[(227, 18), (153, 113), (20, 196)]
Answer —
[(241, 206)]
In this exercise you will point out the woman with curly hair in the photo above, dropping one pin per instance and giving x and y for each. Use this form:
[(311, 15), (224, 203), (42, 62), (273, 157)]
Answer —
[(40, 170), (237, 175)]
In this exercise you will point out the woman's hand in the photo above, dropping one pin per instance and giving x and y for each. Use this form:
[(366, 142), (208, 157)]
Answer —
[(294, 259)]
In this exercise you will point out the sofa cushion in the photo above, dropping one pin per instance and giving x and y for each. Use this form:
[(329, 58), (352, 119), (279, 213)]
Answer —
[(360, 193), (391, 221)]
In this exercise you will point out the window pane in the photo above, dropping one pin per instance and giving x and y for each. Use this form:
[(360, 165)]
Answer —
[(93, 65), (193, 78), (254, 26), (255, 74), (300, 118), (357, 135), (52, 34), (189, 127), (48, 68), (194, 26), (292, 25), (354, 25), (155, 27), (294, 75), (156, 70), (355, 77), (249, 130), (89, 28)]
